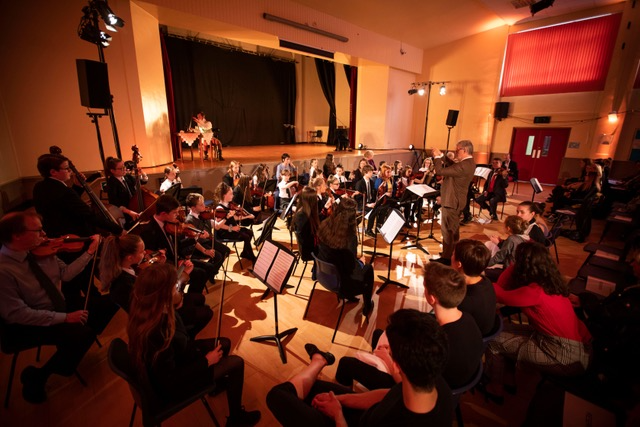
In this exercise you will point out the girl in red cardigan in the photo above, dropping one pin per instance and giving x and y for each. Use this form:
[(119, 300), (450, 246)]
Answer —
[(555, 340)]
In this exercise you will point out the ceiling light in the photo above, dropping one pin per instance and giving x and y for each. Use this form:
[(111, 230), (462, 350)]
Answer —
[(443, 90), (613, 117)]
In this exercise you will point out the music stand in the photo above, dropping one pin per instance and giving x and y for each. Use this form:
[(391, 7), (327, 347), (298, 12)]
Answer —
[(389, 231), (483, 173), (273, 268), (372, 216), (422, 191), (537, 188)]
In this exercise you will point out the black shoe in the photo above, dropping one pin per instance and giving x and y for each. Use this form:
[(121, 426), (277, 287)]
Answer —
[(243, 418), (370, 233), (221, 158), (351, 299), (33, 385), (444, 261), (495, 217), (311, 349), (465, 221)]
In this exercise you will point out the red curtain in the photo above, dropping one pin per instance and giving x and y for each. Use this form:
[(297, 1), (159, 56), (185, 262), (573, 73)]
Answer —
[(571, 57), (636, 83)]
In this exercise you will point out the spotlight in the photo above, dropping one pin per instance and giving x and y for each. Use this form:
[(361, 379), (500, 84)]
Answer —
[(89, 32), (411, 147), (110, 19), (443, 90), (541, 5), (613, 117), (421, 91), (412, 91), (361, 145)]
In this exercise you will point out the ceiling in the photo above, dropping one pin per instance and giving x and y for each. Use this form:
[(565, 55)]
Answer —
[(430, 23)]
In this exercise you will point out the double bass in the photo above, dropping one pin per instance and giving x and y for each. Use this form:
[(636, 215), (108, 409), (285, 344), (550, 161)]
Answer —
[(143, 201)]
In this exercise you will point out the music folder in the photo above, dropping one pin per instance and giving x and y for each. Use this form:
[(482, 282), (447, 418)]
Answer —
[(274, 265)]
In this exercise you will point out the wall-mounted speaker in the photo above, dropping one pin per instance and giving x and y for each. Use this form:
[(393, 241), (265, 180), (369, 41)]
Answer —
[(452, 118), (501, 110), (93, 80)]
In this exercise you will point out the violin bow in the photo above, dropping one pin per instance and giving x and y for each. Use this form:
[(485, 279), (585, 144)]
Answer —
[(93, 269)]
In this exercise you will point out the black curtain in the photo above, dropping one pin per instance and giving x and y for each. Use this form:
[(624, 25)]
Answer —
[(175, 139), (327, 75), (249, 98)]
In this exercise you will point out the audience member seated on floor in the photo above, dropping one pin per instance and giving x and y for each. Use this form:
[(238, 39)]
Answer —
[(445, 289), (338, 245), (32, 305), (555, 340), (537, 228), (419, 352), (166, 358), (470, 258), (502, 251), (122, 256)]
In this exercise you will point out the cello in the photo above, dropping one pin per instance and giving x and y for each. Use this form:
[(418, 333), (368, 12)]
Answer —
[(95, 200), (144, 200)]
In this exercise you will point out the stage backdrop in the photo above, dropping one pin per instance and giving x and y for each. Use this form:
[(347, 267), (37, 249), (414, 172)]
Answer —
[(249, 98)]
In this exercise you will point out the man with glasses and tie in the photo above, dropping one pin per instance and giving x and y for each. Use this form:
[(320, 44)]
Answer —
[(32, 306), (453, 193)]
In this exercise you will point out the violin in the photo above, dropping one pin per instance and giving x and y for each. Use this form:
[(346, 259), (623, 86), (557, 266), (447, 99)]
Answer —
[(181, 228), (68, 243), (150, 258), (346, 192), (239, 209)]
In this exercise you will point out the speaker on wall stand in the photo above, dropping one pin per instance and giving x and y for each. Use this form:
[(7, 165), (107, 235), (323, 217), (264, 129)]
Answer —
[(501, 111), (452, 120)]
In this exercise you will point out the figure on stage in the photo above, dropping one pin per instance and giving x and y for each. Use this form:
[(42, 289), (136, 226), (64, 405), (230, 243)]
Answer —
[(455, 185), (207, 138)]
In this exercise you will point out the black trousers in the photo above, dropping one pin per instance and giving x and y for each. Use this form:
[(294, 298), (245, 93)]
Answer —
[(350, 369), (72, 341), (195, 313)]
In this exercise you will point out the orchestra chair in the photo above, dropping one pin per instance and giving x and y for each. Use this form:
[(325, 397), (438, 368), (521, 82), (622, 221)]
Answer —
[(154, 411), (328, 276), (316, 135), (235, 242), (458, 392), (301, 257), (498, 325), (552, 236)]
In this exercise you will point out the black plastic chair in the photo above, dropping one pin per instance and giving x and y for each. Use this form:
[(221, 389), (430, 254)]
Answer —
[(302, 257), (14, 349), (235, 247), (328, 276), (154, 411), (498, 325), (458, 392), (554, 233)]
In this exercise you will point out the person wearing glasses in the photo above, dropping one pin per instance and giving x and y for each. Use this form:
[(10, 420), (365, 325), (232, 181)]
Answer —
[(453, 193), (32, 307), (121, 188)]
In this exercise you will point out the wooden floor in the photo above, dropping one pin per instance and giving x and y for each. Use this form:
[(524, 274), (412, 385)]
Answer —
[(106, 401)]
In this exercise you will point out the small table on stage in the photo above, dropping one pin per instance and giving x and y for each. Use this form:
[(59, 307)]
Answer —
[(189, 138)]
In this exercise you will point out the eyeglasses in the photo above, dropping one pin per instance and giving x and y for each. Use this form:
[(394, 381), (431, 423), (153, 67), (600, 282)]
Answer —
[(64, 169), (38, 230)]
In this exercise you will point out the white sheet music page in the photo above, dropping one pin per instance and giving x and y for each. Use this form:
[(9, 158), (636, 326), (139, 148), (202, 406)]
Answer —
[(420, 189), (482, 172), (279, 270), (392, 226), (265, 257)]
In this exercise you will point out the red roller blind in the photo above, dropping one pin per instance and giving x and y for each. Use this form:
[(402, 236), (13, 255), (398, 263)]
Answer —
[(571, 57)]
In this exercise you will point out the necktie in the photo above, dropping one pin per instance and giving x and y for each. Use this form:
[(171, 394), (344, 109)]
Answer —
[(126, 186), (368, 191), (53, 293)]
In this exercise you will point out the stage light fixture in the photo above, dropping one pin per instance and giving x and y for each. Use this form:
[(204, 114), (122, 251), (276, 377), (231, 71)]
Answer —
[(110, 19), (411, 147), (421, 91), (413, 89), (443, 90), (613, 117), (360, 146), (541, 5)]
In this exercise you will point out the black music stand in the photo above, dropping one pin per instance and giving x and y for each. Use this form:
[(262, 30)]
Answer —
[(273, 268), (537, 188), (423, 192), (372, 216), (389, 231)]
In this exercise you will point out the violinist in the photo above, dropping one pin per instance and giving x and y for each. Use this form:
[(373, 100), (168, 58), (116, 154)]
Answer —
[(385, 186), (203, 246), (285, 165), (242, 197), (285, 189), (313, 169), (357, 174), (228, 226), (258, 185), (333, 184), (175, 245), (121, 187), (495, 189), (329, 168), (325, 202), (122, 257), (260, 176), (232, 176), (366, 189), (171, 178), (306, 223), (340, 175), (33, 307)]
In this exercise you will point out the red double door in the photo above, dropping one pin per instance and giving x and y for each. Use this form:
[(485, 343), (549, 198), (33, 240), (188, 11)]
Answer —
[(539, 152)]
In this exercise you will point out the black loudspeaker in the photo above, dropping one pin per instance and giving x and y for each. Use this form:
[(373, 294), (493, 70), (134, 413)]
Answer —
[(93, 80), (501, 111), (452, 117)]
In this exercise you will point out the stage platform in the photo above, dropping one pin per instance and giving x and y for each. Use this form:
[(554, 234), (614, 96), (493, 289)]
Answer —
[(208, 173)]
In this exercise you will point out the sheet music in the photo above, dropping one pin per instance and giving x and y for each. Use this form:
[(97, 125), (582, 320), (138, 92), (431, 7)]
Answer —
[(392, 226), (279, 270), (482, 172), (607, 255), (599, 286), (265, 257), (420, 189)]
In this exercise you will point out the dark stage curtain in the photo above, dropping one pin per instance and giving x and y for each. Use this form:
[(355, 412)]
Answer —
[(249, 98), (352, 78), (327, 75), (175, 139)]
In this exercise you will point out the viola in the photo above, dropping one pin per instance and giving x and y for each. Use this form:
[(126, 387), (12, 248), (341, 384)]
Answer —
[(152, 257), (68, 243), (181, 228)]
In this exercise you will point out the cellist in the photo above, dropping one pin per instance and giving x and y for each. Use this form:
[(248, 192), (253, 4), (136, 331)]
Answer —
[(121, 187)]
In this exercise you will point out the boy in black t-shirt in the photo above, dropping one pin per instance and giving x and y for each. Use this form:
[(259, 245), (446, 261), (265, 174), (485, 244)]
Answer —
[(470, 258), (419, 351)]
